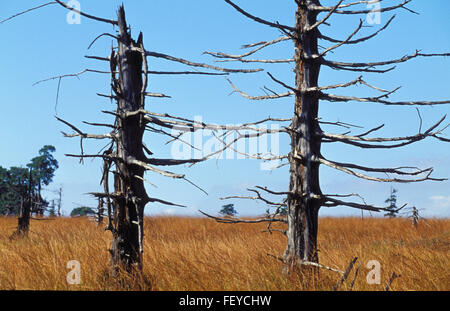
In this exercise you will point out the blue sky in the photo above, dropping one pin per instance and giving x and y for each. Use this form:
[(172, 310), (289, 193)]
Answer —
[(42, 44)]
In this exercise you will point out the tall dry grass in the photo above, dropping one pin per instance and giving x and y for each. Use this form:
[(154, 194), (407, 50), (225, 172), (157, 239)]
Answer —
[(200, 254)]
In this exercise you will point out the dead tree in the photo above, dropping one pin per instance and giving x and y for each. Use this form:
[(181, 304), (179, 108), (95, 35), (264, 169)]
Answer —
[(304, 197), (126, 157), (415, 216)]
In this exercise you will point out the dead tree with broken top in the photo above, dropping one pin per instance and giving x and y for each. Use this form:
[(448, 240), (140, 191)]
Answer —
[(26, 202), (128, 154), (304, 197), (126, 158)]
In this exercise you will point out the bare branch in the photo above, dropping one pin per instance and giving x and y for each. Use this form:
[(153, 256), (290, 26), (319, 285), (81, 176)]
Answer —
[(132, 161), (264, 61), (157, 95), (317, 24), (106, 59), (382, 63), (189, 63), (71, 75), (442, 138), (397, 170), (405, 140), (346, 273), (391, 279), (264, 97), (339, 98), (360, 39), (164, 202), (236, 221), (339, 123), (152, 72), (171, 162), (308, 263), (370, 131), (366, 207), (259, 156), (99, 36), (282, 83), (257, 197), (26, 11), (344, 167), (343, 42), (99, 124), (386, 9), (336, 67)]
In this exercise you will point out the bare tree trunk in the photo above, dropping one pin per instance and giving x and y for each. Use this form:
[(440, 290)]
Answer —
[(304, 203), (129, 206), (100, 211), (23, 221), (59, 201), (305, 197)]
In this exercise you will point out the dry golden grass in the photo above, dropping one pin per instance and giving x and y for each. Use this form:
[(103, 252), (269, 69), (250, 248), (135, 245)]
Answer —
[(200, 254)]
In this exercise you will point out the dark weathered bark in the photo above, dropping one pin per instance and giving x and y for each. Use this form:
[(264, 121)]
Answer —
[(128, 206), (59, 201), (39, 202), (23, 221), (303, 205)]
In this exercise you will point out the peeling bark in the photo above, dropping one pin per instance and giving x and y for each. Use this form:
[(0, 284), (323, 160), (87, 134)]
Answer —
[(128, 206)]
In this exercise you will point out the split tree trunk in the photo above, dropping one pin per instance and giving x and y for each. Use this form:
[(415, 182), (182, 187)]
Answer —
[(303, 205), (129, 200)]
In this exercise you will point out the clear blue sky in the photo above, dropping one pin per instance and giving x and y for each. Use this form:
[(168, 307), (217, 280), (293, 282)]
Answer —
[(41, 44)]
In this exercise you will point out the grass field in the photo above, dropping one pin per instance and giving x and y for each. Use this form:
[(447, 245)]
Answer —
[(200, 254)]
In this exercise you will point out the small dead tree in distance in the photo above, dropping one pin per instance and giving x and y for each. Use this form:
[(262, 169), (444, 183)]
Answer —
[(304, 196), (126, 156)]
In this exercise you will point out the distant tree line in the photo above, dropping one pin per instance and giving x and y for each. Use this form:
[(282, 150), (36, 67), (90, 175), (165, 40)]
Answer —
[(19, 184)]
